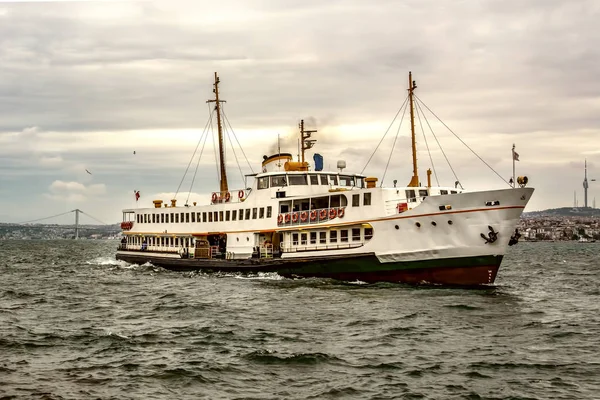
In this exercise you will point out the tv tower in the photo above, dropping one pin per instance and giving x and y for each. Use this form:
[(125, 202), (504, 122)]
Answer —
[(585, 185)]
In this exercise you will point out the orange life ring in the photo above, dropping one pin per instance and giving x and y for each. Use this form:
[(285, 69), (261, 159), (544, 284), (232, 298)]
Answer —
[(303, 216), (280, 218), (214, 197), (313, 215), (287, 218), (240, 194), (295, 217), (227, 196), (332, 213), (341, 212), (323, 213)]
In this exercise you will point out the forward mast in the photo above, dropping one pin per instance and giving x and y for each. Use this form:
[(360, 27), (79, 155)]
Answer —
[(223, 182)]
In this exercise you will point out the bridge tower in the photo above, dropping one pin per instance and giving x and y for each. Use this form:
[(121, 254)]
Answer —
[(77, 211)]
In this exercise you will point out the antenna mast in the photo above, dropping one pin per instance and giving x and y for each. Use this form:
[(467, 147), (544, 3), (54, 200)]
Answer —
[(224, 187), (412, 85), (307, 143)]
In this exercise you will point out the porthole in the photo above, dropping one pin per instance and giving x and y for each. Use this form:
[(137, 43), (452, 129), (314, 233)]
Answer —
[(397, 227), (449, 222), (433, 223), (418, 224)]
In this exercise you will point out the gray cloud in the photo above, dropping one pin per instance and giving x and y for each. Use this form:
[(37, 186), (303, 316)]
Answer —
[(80, 83)]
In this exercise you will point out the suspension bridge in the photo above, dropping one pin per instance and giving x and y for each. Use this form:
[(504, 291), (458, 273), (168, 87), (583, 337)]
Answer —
[(77, 224)]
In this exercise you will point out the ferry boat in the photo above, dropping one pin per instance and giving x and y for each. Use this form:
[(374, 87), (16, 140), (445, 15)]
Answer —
[(299, 220)]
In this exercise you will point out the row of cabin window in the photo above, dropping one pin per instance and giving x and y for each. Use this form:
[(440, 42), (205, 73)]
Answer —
[(322, 179), (206, 216), (366, 199), (161, 241), (305, 239), (411, 194)]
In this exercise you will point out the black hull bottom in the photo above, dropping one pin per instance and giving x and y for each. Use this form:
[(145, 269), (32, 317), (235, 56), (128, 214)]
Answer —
[(463, 271)]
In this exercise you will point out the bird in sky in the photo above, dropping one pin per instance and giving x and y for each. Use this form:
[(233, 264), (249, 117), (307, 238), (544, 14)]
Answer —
[(88, 172)]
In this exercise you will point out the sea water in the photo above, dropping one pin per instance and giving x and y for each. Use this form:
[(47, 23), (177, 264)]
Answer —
[(77, 324)]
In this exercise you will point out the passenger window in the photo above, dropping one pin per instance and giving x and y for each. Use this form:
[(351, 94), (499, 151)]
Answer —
[(227, 215), (162, 218), (343, 236), (210, 215), (221, 216), (263, 183), (233, 215), (278, 180), (193, 217), (356, 234), (368, 233), (332, 236), (355, 200), (367, 199), (345, 181), (297, 180), (176, 218), (313, 238), (241, 214), (295, 239), (269, 211), (166, 218), (187, 218), (248, 213), (314, 179), (410, 195), (204, 217), (322, 237), (324, 180), (443, 191), (423, 193), (333, 179), (303, 237), (181, 217), (254, 213), (261, 213), (216, 216)]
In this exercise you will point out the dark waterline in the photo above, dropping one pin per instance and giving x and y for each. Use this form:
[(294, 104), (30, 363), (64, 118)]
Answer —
[(76, 324)]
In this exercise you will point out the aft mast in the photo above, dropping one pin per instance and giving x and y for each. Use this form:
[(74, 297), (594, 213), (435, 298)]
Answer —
[(414, 181), (224, 186)]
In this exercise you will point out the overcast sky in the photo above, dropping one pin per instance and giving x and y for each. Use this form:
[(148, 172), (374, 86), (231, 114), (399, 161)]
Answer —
[(84, 85)]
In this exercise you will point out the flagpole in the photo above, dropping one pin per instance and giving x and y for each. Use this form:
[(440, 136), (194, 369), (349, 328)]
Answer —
[(513, 160)]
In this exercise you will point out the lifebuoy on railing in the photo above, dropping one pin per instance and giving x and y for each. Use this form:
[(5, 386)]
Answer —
[(241, 194), (227, 196), (126, 225), (280, 218), (323, 213), (287, 218), (303, 216), (313, 215), (214, 197), (341, 212), (295, 217), (332, 213)]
